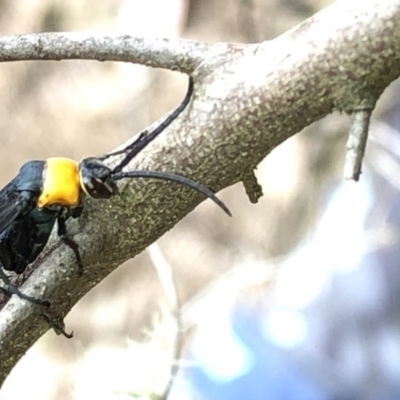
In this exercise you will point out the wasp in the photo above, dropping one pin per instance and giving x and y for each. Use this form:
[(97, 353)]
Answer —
[(52, 191)]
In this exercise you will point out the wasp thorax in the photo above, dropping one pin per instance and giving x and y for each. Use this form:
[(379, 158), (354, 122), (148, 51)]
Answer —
[(96, 179)]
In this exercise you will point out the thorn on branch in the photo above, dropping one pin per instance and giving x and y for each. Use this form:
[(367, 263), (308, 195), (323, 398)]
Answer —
[(252, 187), (356, 144)]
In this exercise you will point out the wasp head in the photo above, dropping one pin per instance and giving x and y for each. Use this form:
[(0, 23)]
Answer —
[(96, 179)]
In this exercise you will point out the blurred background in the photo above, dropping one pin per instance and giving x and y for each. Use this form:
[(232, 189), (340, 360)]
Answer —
[(293, 298)]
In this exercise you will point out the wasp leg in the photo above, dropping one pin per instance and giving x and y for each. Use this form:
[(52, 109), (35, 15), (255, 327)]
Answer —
[(12, 289), (59, 328), (62, 233)]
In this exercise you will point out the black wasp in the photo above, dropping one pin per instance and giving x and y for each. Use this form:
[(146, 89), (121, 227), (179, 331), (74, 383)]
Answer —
[(50, 191)]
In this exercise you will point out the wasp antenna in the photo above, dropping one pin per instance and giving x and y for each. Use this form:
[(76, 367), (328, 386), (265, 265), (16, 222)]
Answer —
[(145, 138), (140, 138), (174, 178)]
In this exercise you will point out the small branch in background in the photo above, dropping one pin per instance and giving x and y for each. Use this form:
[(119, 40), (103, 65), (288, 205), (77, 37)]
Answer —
[(173, 54), (356, 144), (252, 187), (167, 280)]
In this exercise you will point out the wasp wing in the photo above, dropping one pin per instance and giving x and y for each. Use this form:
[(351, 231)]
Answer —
[(25, 238), (13, 204)]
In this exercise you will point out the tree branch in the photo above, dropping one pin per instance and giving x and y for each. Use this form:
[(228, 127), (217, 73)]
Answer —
[(247, 100), (356, 144), (173, 54)]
